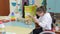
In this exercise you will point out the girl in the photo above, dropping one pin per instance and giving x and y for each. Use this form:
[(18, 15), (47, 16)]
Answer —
[(43, 22)]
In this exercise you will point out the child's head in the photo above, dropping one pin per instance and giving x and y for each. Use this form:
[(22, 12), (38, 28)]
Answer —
[(40, 11)]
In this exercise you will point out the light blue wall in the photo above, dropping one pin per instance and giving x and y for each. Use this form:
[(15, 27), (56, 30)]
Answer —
[(51, 4), (54, 5), (58, 6)]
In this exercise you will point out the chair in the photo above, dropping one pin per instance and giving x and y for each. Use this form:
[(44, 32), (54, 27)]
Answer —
[(47, 32)]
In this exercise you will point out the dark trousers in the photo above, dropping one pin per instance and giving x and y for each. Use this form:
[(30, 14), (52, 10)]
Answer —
[(37, 31)]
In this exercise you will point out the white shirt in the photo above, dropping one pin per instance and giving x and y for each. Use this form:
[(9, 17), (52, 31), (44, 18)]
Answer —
[(45, 21)]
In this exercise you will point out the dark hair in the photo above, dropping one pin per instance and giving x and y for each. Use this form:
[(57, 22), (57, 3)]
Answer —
[(41, 9), (53, 19)]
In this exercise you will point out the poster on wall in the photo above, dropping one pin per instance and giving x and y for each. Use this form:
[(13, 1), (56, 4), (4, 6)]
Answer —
[(38, 3), (19, 4), (16, 6), (29, 10), (31, 2)]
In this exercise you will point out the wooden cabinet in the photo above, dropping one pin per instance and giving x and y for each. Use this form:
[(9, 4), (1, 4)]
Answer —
[(4, 8)]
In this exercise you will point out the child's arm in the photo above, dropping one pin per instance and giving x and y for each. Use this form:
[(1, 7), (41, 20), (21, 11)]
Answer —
[(35, 21)]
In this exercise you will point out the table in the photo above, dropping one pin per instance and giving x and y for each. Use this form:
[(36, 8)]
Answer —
[(19, 27), (10, 33)]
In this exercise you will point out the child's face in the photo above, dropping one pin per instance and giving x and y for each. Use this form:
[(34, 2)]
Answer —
[(40, 13)]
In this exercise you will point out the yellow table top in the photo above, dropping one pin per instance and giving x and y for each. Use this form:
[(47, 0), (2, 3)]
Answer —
[(18, 30)]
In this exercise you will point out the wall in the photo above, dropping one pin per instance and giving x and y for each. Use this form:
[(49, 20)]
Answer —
[(53, 6), (36, 2), (17, 8)]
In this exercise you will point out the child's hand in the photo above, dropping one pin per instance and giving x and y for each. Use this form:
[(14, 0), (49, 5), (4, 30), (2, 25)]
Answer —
[(30, 16), (34, 18)]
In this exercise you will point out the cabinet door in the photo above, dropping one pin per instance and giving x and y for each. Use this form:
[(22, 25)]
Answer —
[(57, 6), (51, 5), (4, 8)]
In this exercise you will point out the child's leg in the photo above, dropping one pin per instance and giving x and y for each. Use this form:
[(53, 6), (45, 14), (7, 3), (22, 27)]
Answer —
[(37, 31)]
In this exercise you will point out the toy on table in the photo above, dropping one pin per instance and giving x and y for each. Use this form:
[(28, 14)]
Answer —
[(2, 28), (13, 16), (18, 16), (5, 21), (29, 10)]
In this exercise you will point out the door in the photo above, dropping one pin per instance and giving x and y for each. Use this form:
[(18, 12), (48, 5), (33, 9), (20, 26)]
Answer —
[(4, 8)]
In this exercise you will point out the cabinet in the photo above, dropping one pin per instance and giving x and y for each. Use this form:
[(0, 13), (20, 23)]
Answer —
[(4, 8)]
